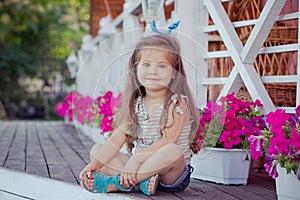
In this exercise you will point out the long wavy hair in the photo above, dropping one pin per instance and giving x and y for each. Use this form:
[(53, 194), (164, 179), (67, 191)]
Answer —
[(178, 86)]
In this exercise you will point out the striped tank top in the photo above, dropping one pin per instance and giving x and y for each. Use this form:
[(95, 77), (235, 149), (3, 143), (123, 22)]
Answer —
[(149, 130)]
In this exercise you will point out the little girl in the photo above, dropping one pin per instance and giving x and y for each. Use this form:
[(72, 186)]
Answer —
[(157, 121)]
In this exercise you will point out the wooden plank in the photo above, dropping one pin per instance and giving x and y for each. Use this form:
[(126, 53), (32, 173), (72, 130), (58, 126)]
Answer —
[(241, 192), (74, 162), (263, 50), (208, 190), (58, 147), (87, 142), (7, 137), (58, 168), (165, 196), (261, 30), (239, 24), (35, 161), (80, 145), (16, 156)]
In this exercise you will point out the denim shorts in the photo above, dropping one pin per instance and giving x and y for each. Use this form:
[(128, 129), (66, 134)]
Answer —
[(180, 184)]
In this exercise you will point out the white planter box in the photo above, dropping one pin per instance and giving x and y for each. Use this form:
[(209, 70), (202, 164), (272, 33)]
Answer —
[(287, 185), (92, 132), (225, 166)]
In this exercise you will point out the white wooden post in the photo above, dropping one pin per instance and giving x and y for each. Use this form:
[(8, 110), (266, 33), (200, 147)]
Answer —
[(187, 12), (201, 49), (298, 61)]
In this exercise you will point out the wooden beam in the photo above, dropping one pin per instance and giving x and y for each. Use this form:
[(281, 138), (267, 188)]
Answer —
[(261, 30)]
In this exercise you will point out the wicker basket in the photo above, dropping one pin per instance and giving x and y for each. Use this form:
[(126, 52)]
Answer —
[(283, 95)]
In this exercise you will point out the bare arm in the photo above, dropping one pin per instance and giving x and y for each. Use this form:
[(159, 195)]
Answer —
[(110, 148)]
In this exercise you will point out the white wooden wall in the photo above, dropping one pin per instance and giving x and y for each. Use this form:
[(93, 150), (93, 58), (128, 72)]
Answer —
[(193, 34)]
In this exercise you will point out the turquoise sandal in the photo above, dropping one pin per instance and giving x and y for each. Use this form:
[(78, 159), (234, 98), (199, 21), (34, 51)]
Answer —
[(143, 186), (101, 181)]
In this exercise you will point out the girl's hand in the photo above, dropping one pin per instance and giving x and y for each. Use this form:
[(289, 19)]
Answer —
[(89, 168), (128, 176), (127, 179)]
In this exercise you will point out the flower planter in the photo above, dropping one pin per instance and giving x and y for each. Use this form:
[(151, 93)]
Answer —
[(287, 185), (92, 132), (225, 166)]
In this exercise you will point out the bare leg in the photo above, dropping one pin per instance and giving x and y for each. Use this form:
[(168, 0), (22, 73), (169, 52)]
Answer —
[(116, 165), (113, 167), (168, 162)]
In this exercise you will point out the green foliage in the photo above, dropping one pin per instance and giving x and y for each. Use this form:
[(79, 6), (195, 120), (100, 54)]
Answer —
[(214, 130), (36, 36)]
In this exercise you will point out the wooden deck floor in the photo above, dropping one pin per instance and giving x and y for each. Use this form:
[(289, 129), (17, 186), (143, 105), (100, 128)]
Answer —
[(52, 150)]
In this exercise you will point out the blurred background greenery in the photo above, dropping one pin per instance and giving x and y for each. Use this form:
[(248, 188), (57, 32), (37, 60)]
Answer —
[(36, 37)]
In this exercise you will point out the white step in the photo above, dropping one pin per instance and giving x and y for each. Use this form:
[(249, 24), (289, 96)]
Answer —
[(15, 185)]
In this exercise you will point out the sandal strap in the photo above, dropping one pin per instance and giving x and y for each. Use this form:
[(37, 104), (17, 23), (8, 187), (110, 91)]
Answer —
[(143, 186), (101, 181)]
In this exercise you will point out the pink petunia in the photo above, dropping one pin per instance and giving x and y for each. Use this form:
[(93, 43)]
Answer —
[(279, 144), (106, 124), (230, 138), (277, 119), (270, 167), (295, 141), (258, 103), (256, 146), (298, 111), (61, 108), (80, 117)]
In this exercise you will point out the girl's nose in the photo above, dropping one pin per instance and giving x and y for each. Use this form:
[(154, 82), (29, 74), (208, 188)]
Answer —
[(152, 69)]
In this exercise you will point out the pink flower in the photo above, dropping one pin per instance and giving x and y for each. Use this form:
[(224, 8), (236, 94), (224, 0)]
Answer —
[(256, 146), (73, 97), (279, 145), (235, 119), (106, 104), (257, 103), (277, 119), (270, 167), (80, 118), (230, 138), (106, 124), (298, 111), (61, 108), (295, 141)]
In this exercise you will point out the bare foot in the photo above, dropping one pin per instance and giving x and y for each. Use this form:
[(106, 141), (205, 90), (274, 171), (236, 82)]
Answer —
[(150, 188), (151, 184)]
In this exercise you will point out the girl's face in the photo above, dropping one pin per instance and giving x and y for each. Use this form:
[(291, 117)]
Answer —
[(154, 71)]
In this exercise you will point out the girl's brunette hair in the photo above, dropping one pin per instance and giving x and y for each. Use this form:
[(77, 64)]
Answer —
[(127, 118)]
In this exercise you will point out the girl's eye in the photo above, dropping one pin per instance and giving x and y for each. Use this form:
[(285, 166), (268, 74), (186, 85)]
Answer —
[(146, 64), (161, 66)]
